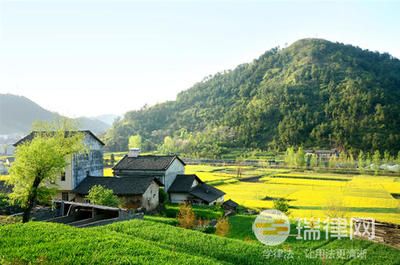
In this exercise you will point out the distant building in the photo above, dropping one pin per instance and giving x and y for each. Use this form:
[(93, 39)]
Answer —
[(79, 165), (230, 205), (323, 155)]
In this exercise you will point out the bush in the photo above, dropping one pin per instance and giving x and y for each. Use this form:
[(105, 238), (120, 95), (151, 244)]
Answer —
[(163, 196), (282, 205), (222, 227), (102, 196), (186, 217)]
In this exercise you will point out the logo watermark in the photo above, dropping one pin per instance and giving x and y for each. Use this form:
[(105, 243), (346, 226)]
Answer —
[(271, 227)]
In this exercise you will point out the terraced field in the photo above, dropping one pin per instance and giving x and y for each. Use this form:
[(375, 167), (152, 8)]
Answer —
[(310, 194), (146, 242)]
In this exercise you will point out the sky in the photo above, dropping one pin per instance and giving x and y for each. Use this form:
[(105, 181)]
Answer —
[(87, 58)]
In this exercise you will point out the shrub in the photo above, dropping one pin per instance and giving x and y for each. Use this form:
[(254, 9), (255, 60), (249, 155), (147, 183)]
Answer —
[(282, 205), (222, 227), (186, 216), (163, 196), (102, 196)]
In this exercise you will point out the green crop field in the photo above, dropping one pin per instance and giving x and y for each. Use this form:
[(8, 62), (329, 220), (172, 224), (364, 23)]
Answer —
[(310, 194), (147, 242)]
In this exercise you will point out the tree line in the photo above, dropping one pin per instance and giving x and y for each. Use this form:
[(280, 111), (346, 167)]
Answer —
[(362, 161), (315, 94)]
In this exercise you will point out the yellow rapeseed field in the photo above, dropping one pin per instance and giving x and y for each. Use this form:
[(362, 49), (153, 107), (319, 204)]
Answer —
[(310, 194)]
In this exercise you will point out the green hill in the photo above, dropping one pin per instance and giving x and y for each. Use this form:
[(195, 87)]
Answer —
[(145, 242), (313, 93), (17, 114)]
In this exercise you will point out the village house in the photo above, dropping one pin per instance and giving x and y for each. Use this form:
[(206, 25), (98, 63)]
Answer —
[(140, 192), (79, 165), (170, 171), (137, 179), (164, 168), (190, 188)]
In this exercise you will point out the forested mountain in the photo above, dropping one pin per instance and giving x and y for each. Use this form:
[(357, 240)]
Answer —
[(17, 114), (314, 93)]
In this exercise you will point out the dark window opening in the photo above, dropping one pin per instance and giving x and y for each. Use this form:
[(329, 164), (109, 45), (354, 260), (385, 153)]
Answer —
[(64, 196), (63, 176)]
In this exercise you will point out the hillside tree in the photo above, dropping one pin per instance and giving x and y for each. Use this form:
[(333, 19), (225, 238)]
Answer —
[(135, 141)]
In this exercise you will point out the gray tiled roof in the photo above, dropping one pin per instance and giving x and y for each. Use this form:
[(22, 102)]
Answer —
[(146, 162), (119, 185), (32, 135), (231, 203), (183, 184), (206, 192)]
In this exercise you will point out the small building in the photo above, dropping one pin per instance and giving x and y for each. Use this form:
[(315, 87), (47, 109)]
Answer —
[(230, 205), (190, 188), (138, 192), (164, 168), (79, 166)]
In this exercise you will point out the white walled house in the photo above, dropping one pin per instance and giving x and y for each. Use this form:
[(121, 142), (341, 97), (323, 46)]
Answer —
[(164, 168), (79, 166), (170, 171), (141, 192), (190, 188)]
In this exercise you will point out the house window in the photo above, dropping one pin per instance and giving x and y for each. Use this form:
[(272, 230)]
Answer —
[(63, 176), (64, 196)]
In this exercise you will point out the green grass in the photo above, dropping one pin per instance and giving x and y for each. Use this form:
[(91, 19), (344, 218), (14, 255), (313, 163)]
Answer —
[(147, 242), (203, 212)]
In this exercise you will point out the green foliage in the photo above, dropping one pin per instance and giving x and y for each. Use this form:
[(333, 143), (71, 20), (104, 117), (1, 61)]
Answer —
[(376, 160), (135, 141), (282, 205), (300, 158), (40, 161), (102, 196), (163, 195), (290, 157), (314, 93), (313, 161), (203, 212), (361, 162)]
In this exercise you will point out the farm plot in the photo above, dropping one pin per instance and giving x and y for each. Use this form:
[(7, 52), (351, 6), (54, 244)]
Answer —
[(311, 194)]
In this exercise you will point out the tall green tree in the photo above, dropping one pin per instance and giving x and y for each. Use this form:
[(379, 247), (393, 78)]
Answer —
[(300, 157), (376, 160), (135, 141), (361, 162), (37, 164), (290, 157)]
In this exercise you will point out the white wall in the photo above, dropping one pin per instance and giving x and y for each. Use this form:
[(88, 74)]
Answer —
[(178, 197), (150, 197), (218, 201), (174, 169), (68, 183)]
